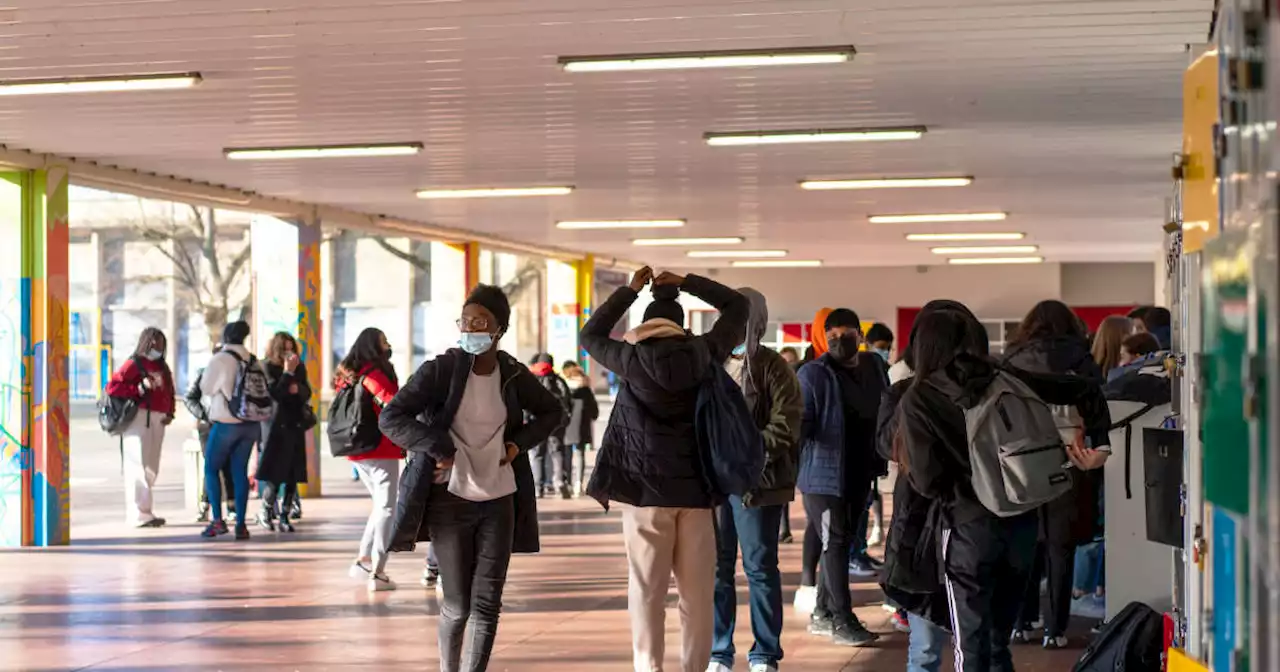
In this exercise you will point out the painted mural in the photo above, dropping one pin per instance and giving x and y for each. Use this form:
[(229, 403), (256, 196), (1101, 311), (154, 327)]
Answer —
[(13, 456), (308, 319)]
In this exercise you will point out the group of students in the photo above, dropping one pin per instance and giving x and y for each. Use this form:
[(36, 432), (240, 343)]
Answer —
[(470, 420), (239, 403)]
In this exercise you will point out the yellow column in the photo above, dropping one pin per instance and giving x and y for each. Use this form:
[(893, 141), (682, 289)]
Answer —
[(472, 278), (586, 281), (309, 340)]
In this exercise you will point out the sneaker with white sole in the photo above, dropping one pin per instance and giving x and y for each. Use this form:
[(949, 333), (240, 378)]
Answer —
[(1055, 643), (359, 571), (806, 599), (764, 667), (379, 583), (430, 578), (718, 667)]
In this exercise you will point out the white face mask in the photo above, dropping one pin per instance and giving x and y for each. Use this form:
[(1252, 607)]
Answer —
[(154, 355)]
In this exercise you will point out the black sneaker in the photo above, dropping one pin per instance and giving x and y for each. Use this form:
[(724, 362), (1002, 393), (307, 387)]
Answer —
[(821, 626), (265, 521), (286, 525), (852, 634), (242, 533), (215, 529)]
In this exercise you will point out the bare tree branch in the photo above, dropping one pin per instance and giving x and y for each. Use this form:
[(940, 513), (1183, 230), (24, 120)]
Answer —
[(408, 257)]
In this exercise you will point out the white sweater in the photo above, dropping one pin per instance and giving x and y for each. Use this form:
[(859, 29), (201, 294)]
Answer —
[(218, 383)]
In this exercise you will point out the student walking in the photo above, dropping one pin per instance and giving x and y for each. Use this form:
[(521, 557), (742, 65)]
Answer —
[(550, 457), (368, 363), (579, 435), (469, 418), (649, 457), (282, 457), (986, 558), (146, 379), (194, 401), (237, 395), (838, 461), (751, 521)]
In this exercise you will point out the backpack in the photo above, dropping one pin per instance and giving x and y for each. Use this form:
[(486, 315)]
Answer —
[(729, 443), (115, 413), (1016, 451), (251, 398), (353, 422), (1133, 641)]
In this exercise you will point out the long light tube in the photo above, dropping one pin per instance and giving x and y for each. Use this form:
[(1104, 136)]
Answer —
[(35, 87), (887, 183), (829, 135), (321, 151), (708, 59), (943, 217), (493, 192)]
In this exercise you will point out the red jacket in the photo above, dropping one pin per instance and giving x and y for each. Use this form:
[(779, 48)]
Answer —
[(126, 383), (382, 389)]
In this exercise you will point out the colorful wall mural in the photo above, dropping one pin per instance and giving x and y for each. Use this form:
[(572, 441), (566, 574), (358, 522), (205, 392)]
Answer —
[(34, 347), (309, 340)]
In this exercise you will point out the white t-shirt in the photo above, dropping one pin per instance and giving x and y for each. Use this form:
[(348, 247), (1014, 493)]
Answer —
[(477, 430)]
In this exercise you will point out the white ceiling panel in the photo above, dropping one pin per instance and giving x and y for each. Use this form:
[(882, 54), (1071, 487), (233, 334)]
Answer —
[(1065, 113)]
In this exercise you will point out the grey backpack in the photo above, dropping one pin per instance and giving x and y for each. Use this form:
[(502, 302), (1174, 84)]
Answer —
[(1019, 460)]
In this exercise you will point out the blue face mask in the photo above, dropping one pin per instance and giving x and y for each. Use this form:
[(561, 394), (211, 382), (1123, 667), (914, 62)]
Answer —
[(476, 343), (740, 350), (884, 354)]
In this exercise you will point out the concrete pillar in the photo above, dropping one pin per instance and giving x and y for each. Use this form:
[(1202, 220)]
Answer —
[(34, 347)]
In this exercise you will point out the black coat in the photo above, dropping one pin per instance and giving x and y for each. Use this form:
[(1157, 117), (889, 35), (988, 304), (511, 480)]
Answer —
[(776, 405), (282, 458), (649, 454), (1072, 519), (583, 412), (418, 419)]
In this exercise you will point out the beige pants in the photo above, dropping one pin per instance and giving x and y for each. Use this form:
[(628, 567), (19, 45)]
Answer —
[(660, 542)]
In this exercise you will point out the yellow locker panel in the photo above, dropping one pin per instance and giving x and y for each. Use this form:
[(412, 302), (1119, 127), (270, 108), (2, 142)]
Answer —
[(1200, 183)]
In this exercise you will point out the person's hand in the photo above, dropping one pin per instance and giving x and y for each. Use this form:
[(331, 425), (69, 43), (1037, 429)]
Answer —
[(1086, 459), (669, 278), (291, 362), (512, 451), (641, 278), (293, 388), (168, 420), (442, 466), (154, 380)]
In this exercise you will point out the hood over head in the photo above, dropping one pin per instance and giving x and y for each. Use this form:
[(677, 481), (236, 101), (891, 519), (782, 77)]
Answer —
[(818, 332), (758, 319)]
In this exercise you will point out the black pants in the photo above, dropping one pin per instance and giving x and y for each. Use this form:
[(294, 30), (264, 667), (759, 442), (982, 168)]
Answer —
[(810, 552), (987, 563), (1060, 561), (278, 498), (784, 527), (836, 518), (472, 541)]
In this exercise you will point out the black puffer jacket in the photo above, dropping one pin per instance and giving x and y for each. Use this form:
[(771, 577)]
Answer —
[(649, 455), (418, 419), (1071, 519)]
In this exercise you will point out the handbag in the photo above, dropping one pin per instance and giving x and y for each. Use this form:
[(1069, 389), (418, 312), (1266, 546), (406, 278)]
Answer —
[(307, 418)]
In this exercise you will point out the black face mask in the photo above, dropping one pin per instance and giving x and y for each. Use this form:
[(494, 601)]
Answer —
[(845, 348), (387, 354)]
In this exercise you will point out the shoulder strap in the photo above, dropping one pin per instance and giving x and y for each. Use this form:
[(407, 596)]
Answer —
[(1127, 423)]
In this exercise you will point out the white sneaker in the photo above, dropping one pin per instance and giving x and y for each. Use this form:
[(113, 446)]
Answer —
[(1055, 643), (379, 583), (359, 572), (806, 599), (718, 667), (876, 537), (764, 667)]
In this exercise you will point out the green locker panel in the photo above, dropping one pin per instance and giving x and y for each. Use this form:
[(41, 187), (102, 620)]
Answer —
[(1226, 320)]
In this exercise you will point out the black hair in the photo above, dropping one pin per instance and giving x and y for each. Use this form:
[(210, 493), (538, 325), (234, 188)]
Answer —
[(1141, 344), (494, 300), (146, 338), (1157, 317), (235, 333), (1139, 313), (879, 332), (367, 351), (1049, 319), (940, 336), (665, 306), (543, 358), (842, 317)]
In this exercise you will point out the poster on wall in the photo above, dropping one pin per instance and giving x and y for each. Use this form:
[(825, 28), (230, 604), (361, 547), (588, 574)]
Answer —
[(275, 278)]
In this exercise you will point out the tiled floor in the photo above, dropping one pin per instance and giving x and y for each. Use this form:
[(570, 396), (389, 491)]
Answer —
[(121, 599)]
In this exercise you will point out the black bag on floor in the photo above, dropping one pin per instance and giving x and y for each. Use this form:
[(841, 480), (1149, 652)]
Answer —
[(1130, 642)]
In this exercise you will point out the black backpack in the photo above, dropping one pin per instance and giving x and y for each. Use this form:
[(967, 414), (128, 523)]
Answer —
[(115, 413), (1133, 641), (353, 422), (730, 446)]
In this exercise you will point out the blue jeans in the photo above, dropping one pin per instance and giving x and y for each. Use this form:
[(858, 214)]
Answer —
[(230, 445), (756, 529), (1091, 567), (925, 645)]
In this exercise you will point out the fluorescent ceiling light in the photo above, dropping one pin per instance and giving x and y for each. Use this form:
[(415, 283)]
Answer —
[(321, 152), (622, 224), (667, 242), (778, 263), (736, 254), (33, 87), (982, 261), (828, 135), (887, 183), (948, 217), (708, 59), (962, 237), (989, 249), (494, 192)]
